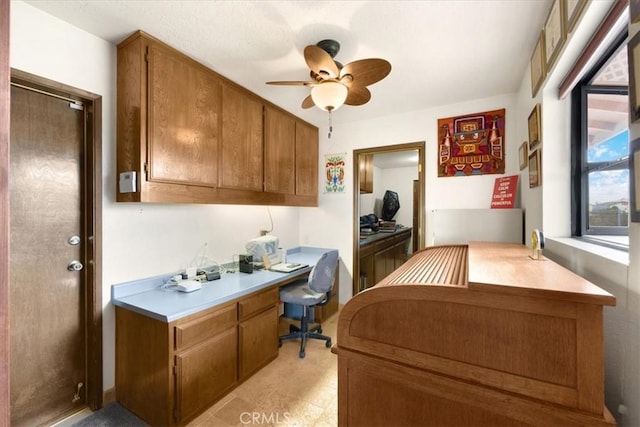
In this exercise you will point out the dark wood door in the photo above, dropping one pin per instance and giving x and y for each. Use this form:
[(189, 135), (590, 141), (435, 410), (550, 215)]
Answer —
[(47, 316)]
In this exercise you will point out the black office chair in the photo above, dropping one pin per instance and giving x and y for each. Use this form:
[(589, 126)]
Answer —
[(312, 292)]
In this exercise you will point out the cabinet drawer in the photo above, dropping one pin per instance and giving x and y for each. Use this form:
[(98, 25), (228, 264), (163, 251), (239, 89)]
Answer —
[(257, 303), (201, 328)]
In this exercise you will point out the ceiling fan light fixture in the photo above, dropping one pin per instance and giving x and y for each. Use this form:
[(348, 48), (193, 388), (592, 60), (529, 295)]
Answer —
[(329, 95)]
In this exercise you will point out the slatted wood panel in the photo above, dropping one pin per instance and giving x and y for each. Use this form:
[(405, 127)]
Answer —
[(438, 265)]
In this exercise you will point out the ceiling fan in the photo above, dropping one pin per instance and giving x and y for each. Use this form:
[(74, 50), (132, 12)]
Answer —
[(333, 84)]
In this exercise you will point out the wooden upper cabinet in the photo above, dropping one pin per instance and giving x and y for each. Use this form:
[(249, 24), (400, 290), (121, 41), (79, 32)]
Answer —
[(279, 152), (183, 122), (241, 148), (366, 173), (191, 135), (306, 160)]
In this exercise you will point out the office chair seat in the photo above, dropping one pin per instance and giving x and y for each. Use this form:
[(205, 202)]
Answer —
[(300, 293), (311, 292)]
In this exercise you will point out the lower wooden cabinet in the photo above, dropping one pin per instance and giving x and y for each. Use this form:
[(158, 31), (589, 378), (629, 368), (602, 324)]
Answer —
[(258, 341), (205, 373), (382, 256), (168, 373)]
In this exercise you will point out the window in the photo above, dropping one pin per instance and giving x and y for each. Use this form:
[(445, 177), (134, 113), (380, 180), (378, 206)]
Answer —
[(600, 149)]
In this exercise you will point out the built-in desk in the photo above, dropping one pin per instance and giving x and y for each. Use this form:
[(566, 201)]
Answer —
[(477, 334), (177, 353)]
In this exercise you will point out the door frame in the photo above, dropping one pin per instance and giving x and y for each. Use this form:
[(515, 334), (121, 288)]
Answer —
[(92, 221), (420, 147), (4, 212)]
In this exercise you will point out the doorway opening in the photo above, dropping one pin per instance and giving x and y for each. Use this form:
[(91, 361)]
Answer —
[(366, 184), (55, 190)]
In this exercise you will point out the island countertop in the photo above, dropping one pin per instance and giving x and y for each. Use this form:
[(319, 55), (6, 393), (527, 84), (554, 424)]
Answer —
[(147, 297)]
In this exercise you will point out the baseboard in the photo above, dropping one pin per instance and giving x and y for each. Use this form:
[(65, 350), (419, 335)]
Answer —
[(109, 396)]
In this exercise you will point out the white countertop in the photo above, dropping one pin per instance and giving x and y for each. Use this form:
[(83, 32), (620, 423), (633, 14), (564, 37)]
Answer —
[(146, 297)]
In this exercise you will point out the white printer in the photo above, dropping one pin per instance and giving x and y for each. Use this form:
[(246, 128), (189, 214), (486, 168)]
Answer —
[(264, 245)]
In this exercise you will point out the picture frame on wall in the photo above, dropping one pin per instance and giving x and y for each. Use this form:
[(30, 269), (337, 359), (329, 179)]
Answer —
[(633, 56), (574, 9), (537, 65), (634, 179), (634, 11), (535, 128), (535, 169), (524, 155), (554, 33)]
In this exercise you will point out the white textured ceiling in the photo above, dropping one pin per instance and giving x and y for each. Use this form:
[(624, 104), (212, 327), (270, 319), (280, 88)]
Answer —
[(441, 51)]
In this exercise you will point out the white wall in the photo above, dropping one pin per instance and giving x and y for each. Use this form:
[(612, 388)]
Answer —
[(139, 240)]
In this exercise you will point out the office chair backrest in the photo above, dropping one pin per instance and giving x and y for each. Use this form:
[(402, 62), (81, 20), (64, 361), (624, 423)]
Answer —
[(324, 272)]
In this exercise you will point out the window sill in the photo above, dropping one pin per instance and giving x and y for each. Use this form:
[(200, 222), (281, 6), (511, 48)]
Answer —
[(620, 256)]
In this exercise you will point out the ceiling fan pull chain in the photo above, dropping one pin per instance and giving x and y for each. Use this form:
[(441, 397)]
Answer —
[(330, 124)]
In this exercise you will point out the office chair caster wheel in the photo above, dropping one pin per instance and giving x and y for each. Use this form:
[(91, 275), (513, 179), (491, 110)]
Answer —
[(319, 330), (301, 355), (328, 344)]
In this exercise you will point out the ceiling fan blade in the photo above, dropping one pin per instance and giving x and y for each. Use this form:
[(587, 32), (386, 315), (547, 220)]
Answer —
[(308, 102), (291, 83), (365, 72), (358, 95), (320, 62)]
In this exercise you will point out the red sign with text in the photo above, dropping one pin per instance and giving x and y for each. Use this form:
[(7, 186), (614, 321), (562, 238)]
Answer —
[(504, 192)]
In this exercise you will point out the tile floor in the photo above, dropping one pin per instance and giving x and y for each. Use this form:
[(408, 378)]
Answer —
[(288, 392)]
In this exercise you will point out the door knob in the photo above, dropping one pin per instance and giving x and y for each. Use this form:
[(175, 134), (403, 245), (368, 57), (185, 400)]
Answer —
[(75, 266), (74, 240)]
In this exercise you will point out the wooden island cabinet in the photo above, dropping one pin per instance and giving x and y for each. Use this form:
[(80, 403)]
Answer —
[(194, 136)]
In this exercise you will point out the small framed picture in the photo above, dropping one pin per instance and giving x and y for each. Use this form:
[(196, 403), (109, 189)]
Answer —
[(524, 155), (634, 10), (633, 54), (554, 33), (574, 9), (535, 129), (535, 169), (634, 179), (537, 66)]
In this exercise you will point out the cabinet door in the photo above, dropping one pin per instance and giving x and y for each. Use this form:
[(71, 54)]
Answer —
[(241, 148), (258, 341), (367, 272), (306, 160), (280, 149), (183, 121), (366, 173), (205, 372)]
